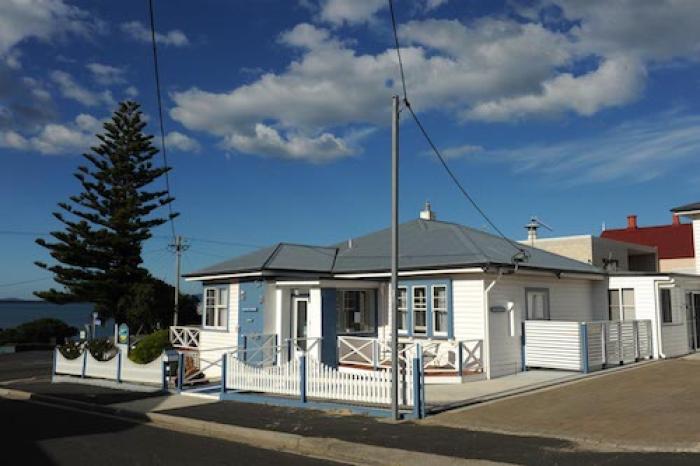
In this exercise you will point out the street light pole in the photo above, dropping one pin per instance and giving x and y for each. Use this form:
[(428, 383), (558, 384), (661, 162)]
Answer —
[(394, 256)]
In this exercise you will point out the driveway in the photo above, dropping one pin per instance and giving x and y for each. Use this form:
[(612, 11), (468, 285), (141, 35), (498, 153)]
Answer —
[(652, 407)]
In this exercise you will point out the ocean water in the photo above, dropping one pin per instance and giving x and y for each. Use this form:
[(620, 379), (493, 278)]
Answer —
[(14, 313)]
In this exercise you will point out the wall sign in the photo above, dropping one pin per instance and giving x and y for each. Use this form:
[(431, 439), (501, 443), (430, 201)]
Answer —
[(123, 334)]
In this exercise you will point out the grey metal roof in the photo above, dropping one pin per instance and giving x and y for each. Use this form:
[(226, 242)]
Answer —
[(687, 207), (423, 244), (282, 257)]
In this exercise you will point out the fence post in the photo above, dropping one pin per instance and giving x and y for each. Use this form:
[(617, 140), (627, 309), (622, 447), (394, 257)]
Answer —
[(416, 389), (302, 377), (289, 349), (180, 371), (245, 348), (119, 366), (224, 372), (54, 362), (375, 354), (164, 382), (635, 329), (584, 348), (621, 356), (85, 352), (604, 343), (460, 358), (523, 364)]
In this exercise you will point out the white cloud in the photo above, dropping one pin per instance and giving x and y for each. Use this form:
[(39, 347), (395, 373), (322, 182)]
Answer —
[(433, 4), (339, 12), (489, 69), (266, 140), (70, 89), (458, 152), (181, 142), (615, 82), (131, 92), (138, 31), (40, 19), (106, 75), (53, 138), (632, 152)]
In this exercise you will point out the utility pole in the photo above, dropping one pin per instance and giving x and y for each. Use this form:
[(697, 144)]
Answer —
[(178, 246), (395, 256)]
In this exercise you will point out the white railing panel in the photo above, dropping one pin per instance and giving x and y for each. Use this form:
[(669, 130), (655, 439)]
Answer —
[(553, 345), (101, 369), (150, 373), (67, 366), (185, 337)]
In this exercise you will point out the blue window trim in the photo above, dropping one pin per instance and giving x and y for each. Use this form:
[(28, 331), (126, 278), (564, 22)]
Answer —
[(207, 328), (428, 284)]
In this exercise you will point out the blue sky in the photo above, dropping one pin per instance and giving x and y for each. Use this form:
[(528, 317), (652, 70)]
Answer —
[(277, 115)]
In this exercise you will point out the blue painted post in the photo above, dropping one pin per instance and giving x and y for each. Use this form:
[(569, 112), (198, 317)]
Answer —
[(119, 367), (523, 365), (165, 376), (224, 360), (54, 361), (245, 348), (302, 377), (276, 350), (417, 401), (180, 371), (460, 358), (584, 347), (85, 352), (421, 373), (289, 349)]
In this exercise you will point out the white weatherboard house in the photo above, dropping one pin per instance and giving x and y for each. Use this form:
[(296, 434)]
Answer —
[(464, 296)]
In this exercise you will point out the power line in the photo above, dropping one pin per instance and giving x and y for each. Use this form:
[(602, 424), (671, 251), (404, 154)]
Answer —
[(160, 114), (24, 282), (424, 132)]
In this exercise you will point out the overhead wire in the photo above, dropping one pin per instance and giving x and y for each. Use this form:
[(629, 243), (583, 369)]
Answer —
[(156, 73), (522, 254)]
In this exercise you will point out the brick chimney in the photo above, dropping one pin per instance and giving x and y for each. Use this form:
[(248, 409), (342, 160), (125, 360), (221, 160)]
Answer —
[(631, 222), (676, 219)]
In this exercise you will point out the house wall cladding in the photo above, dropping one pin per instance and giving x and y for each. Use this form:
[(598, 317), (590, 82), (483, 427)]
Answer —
[(569, 300), (212, 342)]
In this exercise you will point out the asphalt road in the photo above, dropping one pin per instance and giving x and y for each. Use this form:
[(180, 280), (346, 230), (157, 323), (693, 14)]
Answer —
[(25, 365), (38, 434)]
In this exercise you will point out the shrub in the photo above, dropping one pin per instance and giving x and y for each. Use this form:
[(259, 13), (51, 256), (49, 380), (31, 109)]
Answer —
[(71, 350), (102, 350), (150, 347), (38, 331)]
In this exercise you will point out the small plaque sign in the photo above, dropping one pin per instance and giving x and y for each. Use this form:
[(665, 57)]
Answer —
[(123, 334)]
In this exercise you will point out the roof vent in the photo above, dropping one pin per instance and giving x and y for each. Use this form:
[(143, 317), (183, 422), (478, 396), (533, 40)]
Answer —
[(427, 213)]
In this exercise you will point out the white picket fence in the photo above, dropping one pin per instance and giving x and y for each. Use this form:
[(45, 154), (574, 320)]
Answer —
[(319, 381), (282, 380)]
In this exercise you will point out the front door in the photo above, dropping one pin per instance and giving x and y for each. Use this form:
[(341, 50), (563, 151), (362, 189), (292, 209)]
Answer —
[(300, 311)]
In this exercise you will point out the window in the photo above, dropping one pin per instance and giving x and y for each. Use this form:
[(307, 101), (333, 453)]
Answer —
[(440, 309), (621, 304), (537, 304), (355, 310), (666, 308), (215, 307), (402, 305), (420, 310)]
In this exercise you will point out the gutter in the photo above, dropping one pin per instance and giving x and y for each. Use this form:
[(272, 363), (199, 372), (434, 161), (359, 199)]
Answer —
[(487, 326)]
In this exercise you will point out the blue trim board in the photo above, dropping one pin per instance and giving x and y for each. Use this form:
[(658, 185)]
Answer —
[(428, 284), (329, 329), (251, 309)]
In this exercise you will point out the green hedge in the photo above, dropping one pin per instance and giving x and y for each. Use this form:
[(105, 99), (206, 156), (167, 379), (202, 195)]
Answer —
[(150, 347), (102, 350)]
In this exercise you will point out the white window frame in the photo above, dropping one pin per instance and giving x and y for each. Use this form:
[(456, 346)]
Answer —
[(403, 310), (437, 310), (545, 302), (220, 309), (620, 306), (424, 330)]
